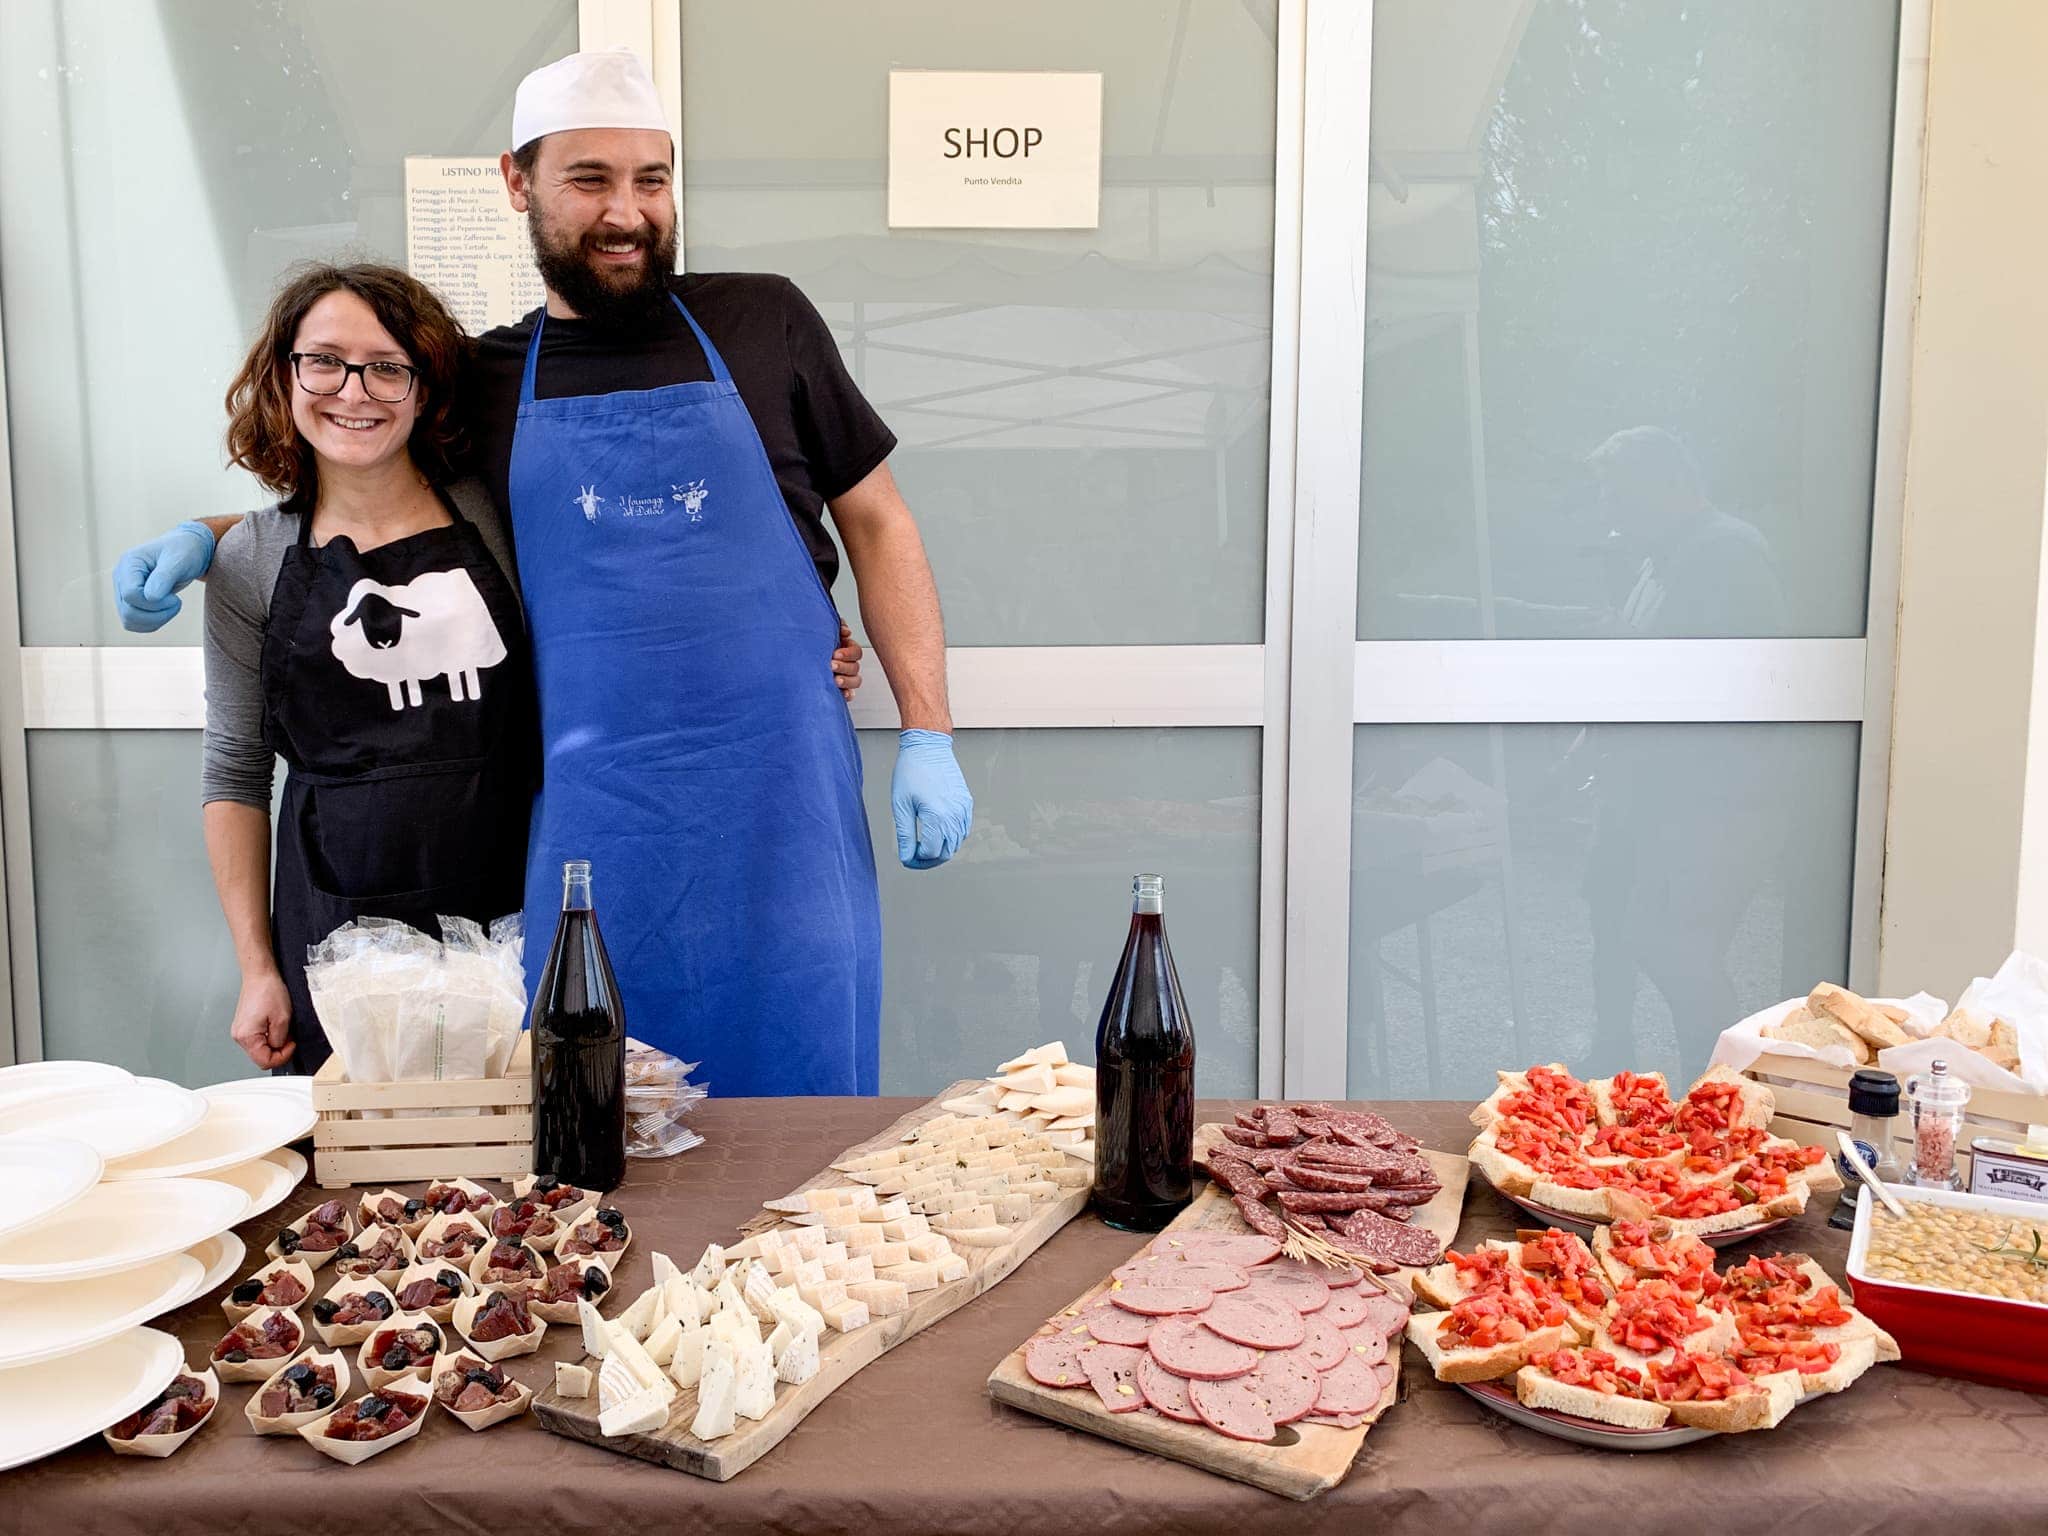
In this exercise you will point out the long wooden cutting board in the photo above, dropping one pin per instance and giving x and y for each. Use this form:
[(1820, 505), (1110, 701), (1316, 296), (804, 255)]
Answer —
[(839, 1354), (1301, 1460)]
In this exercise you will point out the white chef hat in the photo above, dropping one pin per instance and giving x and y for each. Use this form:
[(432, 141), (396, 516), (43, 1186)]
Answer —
[(601, 89)]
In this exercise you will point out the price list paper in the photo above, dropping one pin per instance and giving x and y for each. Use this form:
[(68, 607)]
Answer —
[(463, 240)]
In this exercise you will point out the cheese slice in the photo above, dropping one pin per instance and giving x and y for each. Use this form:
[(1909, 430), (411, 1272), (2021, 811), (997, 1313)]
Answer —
[(572, 1380), (616, 1384), (1051, 1054), (661, 1344), (639, 1319), (913, 1276), (1029, 1081), (730, 1297), (1083, 1122), (623, 1349), (594, 1342), (686, 1365), (641, 1415), (952, 1267), (882, 1298), (1072, 1074), (760, 1287), (799, 1314), (798, 1361), (710, 1267), (716, 1386), (846, 1314), (684, 1300), (1066, 1101), (664, 1269), (754, 1382)]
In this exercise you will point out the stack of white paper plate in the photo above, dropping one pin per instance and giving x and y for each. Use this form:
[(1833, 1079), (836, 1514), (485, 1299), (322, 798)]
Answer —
[(42, 1175), (115, 1119), (121, 1226), (234, 1129), (45, 1407)]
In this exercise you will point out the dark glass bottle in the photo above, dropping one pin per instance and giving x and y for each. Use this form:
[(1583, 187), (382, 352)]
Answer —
[(1144, 1078), (579, 1050)]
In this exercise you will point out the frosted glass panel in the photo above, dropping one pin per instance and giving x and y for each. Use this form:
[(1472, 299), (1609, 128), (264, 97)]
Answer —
[(1607, 896), (1653, 227), (161, 164), (1082, 413), (136, 964), (1014, 942)]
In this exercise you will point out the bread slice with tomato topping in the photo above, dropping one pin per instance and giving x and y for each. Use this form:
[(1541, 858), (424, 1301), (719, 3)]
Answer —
[(1703, 1392), (1652, 1320), (1489, 1336), (1632, 1098), (1509, 1175), (1589, 1384)]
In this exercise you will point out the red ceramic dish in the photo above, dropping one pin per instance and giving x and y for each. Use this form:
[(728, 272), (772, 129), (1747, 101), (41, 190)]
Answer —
[(1955, 1333)]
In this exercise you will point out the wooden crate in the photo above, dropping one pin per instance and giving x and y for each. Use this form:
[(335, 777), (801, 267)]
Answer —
[(1813, 1103), (495, 1142)]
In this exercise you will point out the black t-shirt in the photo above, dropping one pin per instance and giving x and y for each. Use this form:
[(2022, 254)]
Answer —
[(821, 435)]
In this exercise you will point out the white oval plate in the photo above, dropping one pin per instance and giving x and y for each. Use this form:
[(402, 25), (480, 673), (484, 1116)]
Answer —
[(121, 1226), (42, 1175), (39, 1079), (118, 1120), (44, 1408), (1607, 1437), (41, 1322), (221, 1256), (235, 1129), (264, 1182), (293, 1163), (297, 1088)]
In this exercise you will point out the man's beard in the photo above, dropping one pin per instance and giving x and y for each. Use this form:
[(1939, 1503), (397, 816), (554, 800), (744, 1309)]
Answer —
[(614, 301)]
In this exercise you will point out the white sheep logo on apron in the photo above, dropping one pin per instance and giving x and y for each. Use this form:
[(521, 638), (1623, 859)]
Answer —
[(436, 625)]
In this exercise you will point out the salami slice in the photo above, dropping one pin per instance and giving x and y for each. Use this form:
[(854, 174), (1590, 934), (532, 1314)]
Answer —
[(1308, 1176), (1352, 1387), (1411, 1194), (1112, 1370), (1289, 1383), (1371, 1159), (1280, 1123), (1239, 1249), (1165, 1391), (1383, 1313), (1324, 1344), (1264, 1322), (1162, 1300), (1054, 1359), (1347, 1309), (1113, 1325), (1323, 1201), (1299, 1289), (1259, 1218), (1250, 1138), (1234, 1174), (1186, 1348), (1235, 1408), (1374, 1235), (1368, 1346)]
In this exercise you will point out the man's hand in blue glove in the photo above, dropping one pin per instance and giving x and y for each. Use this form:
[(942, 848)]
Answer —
[(930, 799), (148, 578)]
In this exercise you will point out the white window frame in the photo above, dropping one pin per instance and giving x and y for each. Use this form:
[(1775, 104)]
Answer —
[(1310, 681)]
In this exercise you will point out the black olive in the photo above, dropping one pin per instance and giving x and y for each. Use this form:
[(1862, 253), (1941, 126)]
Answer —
[(373, 1407), (348, 1251), (324, 1309), (322, 1394), (414, 1207), (236, 1357), (611, 1216), (245, 1293), (448, 1280), (287, 1241), (546, 1182), (396, 1358), (298, 1373), (596, 1281), (483, 1376), (381, 1303)]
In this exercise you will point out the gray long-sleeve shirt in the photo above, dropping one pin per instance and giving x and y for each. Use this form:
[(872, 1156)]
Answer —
[(238, 766)]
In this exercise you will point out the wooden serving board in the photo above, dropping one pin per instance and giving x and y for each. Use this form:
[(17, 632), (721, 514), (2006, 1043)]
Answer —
[(1302, 1459), (839, 1354)]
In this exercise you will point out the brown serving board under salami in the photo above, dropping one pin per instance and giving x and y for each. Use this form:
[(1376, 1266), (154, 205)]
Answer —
[(839, 1354), (1301, 1460)]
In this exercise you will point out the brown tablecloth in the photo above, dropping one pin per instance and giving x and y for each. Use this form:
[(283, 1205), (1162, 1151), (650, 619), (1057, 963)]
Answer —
[(913, 1443)]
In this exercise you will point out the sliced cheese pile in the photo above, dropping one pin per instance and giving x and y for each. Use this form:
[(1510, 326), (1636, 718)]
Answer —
[(1041, 1090)]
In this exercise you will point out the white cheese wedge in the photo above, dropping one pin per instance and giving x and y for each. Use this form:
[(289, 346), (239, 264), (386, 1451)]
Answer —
[(914, 1276), (661, 1344), (979, 1237), (1052, 1054), (664, 1269), (682, 1299), (859, 1266), (754, 1382), (924, 1250), (616, 1384), (760, 1287), (846, 1315), (623, 1349), (639, 1318), (1029, 1081), (799, 1314), (686, 1365), (572, 1380), (641, 1415), (1071, 1074), (709, 1268), (798, 1361), (593, 1329), (730, 1295), (952, 1267), (882, 1298), (716, 1385), (901, 1228), (966, 1106)]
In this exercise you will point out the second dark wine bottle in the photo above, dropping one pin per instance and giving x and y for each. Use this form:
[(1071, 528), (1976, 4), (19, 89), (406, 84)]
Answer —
[(579, 1050), (1144, 1078)]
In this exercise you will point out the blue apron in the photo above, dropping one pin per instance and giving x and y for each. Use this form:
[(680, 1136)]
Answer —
[(696, 749)]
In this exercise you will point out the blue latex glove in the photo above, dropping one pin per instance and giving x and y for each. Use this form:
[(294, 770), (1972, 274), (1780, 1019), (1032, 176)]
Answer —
[(930, 799), (148, 578)]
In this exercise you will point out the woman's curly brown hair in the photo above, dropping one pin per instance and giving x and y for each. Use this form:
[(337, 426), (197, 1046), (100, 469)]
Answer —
[(262, 437)]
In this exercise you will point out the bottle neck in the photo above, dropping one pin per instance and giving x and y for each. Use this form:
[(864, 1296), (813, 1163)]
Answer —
[(576, 890), (1148, 896)]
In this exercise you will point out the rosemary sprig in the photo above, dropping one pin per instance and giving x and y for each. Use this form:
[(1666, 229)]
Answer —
[(2034, 1258)]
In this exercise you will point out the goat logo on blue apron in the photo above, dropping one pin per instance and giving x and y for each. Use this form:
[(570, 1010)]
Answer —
[(696, 749)]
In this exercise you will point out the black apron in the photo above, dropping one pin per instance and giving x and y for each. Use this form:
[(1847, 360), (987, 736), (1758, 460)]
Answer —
[(398, 688)]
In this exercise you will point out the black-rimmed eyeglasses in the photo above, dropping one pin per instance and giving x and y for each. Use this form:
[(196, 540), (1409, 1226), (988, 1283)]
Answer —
[(322, 373)]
